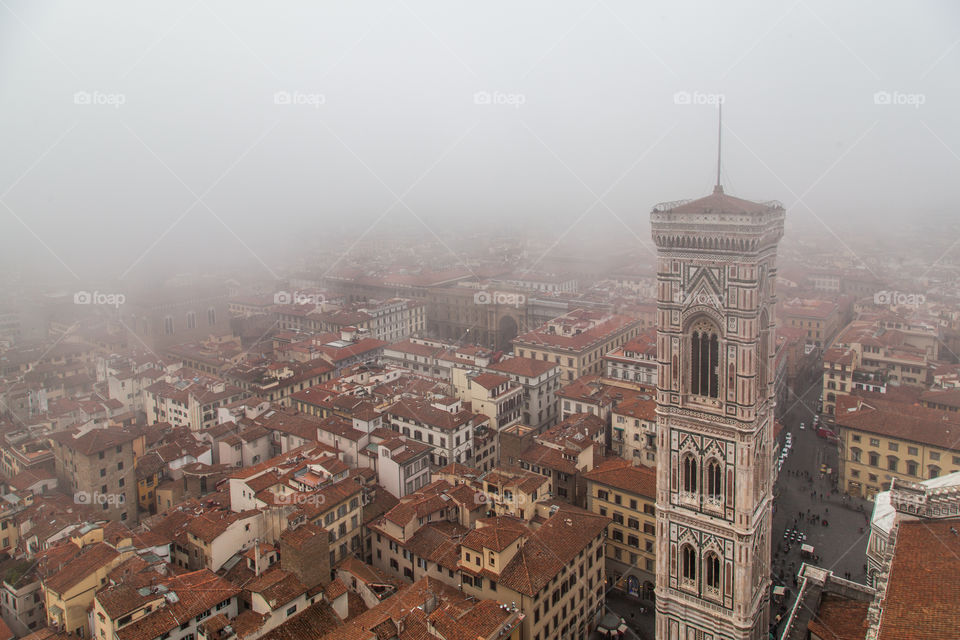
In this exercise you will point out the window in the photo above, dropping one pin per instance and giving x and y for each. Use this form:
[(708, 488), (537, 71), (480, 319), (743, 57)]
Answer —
[(689, 473), (874, 459), (712, 569), (892, 462), (934, 455), (714, 480), (855, 454), (911, 468), (603, 495), (856, 438), (704, 360), (893, 446), (913, 451), (934, 471), (874, 442), (688, 558)]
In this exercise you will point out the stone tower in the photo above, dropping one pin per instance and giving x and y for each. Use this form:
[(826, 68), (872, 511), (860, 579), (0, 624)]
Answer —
[(716, 272)]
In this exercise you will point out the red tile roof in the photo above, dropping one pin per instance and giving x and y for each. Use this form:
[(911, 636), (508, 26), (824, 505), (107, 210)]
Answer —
[(620, 474), (923, 589)]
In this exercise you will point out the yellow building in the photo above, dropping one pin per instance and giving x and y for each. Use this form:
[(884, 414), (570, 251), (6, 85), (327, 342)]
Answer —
[(883, 439), (495, 396), (627, 493), (577, 341), (819, 318), (838, 367), (69, 591)]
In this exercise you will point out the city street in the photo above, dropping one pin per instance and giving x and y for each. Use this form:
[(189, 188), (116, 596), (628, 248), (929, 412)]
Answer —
[(805, 499)]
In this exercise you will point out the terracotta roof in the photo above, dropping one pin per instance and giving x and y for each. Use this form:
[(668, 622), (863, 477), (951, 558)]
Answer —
[(296, 537), (620, 474), (840, 618), (195, 593), (519, 366), (315, 621), (897, 420), (541, 337), (420, 410), (278, 587), (495, 534), (923, 589), (88, 560), (490, 380), (334, 590), (720, 202), (93, 441), (551, 547)]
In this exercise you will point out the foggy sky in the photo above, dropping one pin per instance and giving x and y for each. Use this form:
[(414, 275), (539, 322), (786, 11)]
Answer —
[(588, 109)]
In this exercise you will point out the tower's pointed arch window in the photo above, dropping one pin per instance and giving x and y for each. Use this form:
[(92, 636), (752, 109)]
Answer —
[(704, 359), (714, 480), (690, 472), (688, 562), (711, 570)]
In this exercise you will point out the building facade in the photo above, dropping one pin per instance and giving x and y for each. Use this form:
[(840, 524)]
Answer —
[(716, 275)]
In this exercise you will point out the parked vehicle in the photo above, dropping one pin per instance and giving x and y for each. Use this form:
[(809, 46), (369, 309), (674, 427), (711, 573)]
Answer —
[(827, 434)]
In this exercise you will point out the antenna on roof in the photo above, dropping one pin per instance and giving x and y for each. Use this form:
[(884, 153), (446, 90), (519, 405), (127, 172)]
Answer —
[(718, 188)]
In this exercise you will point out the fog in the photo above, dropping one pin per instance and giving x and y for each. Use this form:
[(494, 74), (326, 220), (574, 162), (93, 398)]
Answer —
[(161, 138)]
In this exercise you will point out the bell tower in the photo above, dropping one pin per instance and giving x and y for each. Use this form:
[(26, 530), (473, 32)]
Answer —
[(716, 274)]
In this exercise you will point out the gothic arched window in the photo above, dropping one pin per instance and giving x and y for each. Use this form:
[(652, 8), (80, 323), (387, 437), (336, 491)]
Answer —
[(714, 480), (688, 560), (690, 473), (712, 570), (704, 360)]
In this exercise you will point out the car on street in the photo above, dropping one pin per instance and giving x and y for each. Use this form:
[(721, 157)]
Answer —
[(802, 427)]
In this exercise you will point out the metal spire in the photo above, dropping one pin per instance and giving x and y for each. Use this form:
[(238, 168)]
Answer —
[(718, 188)]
